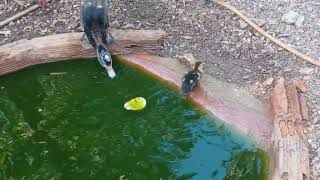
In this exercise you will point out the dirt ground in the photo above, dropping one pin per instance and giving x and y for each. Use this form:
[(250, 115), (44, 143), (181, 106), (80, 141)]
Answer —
[(233, 52)]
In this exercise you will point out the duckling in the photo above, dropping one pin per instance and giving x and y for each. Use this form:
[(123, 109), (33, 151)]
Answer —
[(191, 78), (105, 60), (95, 22)]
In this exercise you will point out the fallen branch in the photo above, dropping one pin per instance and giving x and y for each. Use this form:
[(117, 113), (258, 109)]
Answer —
[(20, 14), (264, 33), (24, 53)]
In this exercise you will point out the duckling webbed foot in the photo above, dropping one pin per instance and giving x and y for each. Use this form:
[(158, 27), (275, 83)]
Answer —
[(107, 39), (110, 39), (85, 42)]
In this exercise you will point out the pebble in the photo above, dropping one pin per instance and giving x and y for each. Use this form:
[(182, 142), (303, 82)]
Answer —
[(260, 22), (293, 18), (317, 27), (287, 70), (242, 24), (6, 33), (269, 81), (245, 77), (306, 71), (314, 146)]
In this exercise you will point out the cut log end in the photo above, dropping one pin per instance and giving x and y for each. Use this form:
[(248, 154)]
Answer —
[(290, 147)]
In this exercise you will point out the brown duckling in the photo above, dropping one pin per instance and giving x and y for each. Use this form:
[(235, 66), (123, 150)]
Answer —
[(191, 78)]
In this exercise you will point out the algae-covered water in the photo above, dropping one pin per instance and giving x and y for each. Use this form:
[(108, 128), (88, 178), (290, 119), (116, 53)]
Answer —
[(74, 127)]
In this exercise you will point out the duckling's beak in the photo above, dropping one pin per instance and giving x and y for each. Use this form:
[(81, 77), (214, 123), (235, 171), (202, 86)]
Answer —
[(110, 72), (186, 94)]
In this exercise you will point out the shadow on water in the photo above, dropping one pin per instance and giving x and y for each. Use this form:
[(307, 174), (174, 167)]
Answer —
[(74, 127)]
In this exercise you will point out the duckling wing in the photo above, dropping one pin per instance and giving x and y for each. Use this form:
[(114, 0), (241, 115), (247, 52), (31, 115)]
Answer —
[(100, 59)]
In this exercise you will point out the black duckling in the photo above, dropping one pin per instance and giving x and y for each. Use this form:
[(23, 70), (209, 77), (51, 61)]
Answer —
[(191, 78), (95, 22)]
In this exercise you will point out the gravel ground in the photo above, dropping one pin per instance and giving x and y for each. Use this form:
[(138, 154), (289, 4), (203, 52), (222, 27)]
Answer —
[(306, 39), (233, 52)]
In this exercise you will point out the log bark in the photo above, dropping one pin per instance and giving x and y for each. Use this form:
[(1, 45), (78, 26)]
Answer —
[(24, 53), (289, 144), (304, 108)]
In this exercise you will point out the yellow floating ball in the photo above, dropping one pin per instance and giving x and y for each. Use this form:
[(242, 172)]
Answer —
[(138, 103)]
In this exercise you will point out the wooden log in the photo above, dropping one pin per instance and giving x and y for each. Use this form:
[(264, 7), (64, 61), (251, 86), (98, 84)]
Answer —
[(24, 53), (289, 145), (304, 108)]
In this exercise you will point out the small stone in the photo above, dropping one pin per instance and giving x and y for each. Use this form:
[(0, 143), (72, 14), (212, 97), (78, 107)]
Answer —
[(40, 110), (306, 71), (245, 77), (242, 24), (317, 27), (185, 1), (11, 24), (187, 59), (247, 70), (6, 33), (314, 146), (287, 70), (260, 22), (269, 81), (293, 18), (272, 22), (187, 37), (315, 120), (311, 128)]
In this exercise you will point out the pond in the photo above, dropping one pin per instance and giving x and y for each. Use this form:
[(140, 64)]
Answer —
[(74, 127)]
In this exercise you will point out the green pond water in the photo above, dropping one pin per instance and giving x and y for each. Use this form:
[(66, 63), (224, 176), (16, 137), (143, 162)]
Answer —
[(74, 127)]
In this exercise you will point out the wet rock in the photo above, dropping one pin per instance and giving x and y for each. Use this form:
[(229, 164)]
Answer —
[(293, 18)]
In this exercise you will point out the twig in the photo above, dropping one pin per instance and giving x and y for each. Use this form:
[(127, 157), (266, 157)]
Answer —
[(264, 33), (20, 14)]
